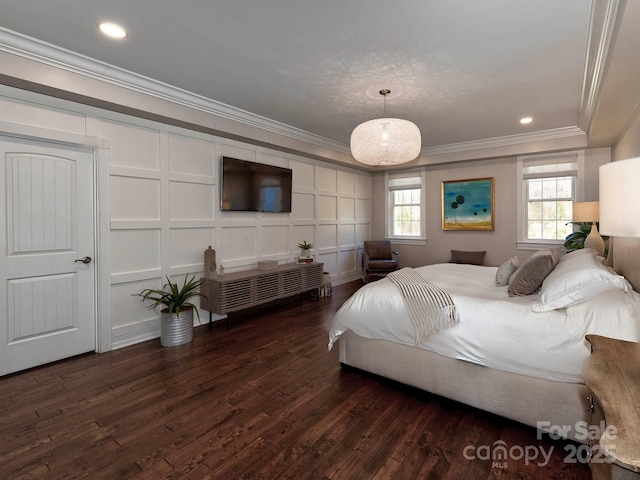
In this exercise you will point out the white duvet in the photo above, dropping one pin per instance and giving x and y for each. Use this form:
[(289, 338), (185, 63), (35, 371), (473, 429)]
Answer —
[(495, 330)]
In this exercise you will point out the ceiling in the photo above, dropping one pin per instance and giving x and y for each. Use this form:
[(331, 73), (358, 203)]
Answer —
[(462, 70)]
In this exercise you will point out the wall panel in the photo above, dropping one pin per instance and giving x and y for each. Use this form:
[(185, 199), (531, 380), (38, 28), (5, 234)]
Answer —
[(300, 233), (163, 205), (346, 183), (347, 235), (363, 210), (184, 243), (326, 179), (304, 176), (191, 201), (126, 308), (346, 208), (191, 156), (34, 115), (229, 149), (327, 236), (303, 206), (330, 261), (347, 261), (134, 198), (135, 250), (274, 241), (363, 233), (327, 207), (238, 245), (132, 146)]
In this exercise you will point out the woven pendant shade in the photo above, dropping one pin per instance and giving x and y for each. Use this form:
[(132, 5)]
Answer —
[(385, 141)]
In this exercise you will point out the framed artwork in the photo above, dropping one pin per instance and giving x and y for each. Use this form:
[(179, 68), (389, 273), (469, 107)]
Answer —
[(468, 204)]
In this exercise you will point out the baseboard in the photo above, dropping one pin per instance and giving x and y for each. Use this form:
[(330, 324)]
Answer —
[(132, 333), (125, 335)]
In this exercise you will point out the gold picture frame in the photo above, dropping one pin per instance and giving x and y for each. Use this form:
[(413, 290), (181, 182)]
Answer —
[(468, 204)]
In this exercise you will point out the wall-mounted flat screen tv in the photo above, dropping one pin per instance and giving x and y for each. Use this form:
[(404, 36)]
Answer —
[(254, 187)]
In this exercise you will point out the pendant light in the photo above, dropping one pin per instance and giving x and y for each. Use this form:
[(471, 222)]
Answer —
[(385, 141)]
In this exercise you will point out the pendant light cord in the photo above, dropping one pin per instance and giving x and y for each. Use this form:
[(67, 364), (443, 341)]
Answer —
[(384, 94)]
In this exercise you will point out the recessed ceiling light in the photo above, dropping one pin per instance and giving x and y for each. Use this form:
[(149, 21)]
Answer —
[(526, 120), (112, 30)]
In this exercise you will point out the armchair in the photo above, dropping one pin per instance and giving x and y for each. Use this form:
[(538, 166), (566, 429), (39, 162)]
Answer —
[(377, 259)]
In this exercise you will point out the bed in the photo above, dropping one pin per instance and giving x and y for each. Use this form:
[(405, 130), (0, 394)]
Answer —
[(517, 356)]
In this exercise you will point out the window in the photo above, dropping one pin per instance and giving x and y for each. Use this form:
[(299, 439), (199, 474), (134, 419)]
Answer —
[(548, 186), (405, 205), (549, 203)]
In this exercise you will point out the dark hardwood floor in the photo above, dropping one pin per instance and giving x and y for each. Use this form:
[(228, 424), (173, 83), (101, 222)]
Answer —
[(264, 400)]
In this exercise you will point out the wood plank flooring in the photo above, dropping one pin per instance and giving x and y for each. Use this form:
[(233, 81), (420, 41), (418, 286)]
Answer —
[(264, 400)]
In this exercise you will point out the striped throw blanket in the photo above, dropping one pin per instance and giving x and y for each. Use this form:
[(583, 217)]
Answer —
[(431, 309)]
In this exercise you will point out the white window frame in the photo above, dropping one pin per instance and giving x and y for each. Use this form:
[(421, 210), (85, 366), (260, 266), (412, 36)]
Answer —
[(388, 222), (577, 156)]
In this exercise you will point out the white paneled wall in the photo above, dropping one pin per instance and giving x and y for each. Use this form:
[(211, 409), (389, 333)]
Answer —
[(164, 206)]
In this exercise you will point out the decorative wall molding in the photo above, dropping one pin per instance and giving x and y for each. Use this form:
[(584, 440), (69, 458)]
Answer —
[(52, 55), (153, 221)]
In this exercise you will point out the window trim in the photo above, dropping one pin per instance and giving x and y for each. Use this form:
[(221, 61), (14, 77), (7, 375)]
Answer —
[(388, 220), (522, 241)]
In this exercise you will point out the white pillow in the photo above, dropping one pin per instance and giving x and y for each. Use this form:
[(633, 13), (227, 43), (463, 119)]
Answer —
[(575, 280), (614, 314), (579, 252), (506, 270)]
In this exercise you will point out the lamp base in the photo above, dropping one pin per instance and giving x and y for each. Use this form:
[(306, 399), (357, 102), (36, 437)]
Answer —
[(594, 240)]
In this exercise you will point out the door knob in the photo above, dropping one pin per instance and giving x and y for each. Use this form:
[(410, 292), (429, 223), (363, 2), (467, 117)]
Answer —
[(83, 260)]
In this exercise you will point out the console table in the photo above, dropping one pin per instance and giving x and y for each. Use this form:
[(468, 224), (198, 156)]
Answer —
[(612, 373), (239, 290)]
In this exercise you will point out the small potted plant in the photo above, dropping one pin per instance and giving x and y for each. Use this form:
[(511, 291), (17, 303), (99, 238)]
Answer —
[(305, 249), (176, 326)]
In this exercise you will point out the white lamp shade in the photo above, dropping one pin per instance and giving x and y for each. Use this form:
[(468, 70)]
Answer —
[(586, 212), (385, 141), (620, 198)]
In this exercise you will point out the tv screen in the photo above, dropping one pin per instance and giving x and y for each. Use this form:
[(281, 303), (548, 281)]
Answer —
[(254, 187)]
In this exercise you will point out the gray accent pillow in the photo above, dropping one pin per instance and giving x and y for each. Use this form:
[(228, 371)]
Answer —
[(529, 276), (506, 270), (473, 258)]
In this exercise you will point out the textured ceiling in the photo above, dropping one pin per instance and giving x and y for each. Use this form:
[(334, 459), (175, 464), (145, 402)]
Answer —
[(462, 70)]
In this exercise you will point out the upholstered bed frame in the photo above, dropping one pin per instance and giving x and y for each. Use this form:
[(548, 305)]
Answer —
[(528, 400), (525, 399)]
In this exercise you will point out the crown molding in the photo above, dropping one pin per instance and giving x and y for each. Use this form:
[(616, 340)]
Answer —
[(506, 141), (603, 27), (58, 57), (42, 52)]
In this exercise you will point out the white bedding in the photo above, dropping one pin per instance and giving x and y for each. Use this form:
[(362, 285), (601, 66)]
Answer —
[(495, 330)]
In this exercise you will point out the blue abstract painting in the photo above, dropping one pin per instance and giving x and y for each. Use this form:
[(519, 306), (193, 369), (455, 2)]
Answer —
[(467, 204)]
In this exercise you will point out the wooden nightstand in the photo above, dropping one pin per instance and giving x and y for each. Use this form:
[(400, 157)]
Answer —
[(612, 373)]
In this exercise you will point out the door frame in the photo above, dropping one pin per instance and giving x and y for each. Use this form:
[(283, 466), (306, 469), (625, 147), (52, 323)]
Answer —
[(100, 148)]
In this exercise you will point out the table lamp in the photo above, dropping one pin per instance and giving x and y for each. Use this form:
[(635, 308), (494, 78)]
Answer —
[(589, 212), (619, 198)]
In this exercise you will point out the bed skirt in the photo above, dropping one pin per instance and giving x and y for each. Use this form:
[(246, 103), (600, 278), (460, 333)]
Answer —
[(528, 400)]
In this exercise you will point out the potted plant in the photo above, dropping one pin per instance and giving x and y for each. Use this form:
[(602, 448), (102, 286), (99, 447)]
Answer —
[(176, 325), (305, 249)]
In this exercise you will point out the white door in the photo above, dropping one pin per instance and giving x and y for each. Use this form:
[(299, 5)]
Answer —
[(47, 284)]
